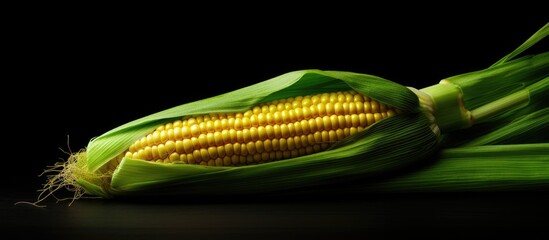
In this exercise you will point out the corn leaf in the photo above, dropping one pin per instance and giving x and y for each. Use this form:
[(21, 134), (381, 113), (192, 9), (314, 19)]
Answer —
[(489, 168)]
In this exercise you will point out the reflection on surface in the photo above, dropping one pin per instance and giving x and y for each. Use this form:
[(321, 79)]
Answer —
[(357, 216)]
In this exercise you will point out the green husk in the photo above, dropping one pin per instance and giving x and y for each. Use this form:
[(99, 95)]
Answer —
[(488, 168)]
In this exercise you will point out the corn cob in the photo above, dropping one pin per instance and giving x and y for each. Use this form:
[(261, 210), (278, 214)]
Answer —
[(300, 129), (271, 131)]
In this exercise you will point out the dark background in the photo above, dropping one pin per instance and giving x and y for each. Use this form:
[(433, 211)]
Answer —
[(74, 75)]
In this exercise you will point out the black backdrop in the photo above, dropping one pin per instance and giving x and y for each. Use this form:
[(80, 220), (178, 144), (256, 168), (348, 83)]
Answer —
[(75, 76)]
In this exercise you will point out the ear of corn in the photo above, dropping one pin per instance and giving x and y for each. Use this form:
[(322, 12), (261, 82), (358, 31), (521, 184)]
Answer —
[(109, 145), (111, 166), (105, 155)]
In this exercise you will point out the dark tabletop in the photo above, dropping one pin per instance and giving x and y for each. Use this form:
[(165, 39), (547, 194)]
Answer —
[(354, 216)]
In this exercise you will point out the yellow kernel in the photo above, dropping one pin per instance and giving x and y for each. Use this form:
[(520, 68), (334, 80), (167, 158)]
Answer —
[(218, 126), (377, 117), (195, 130), (254, 135), (325, 136), (306, 102), (348, 121), (210, 126), (306, 112), (154, 151), (224, 124), (332, 136), (283, 144), (313, 109), (370, 118), (202, 141), (163, 136), (291, 129), (327, 124), (329, 108), (269, 130), (176, 123), (304, 126), (187, 146), (218, 162), (191, 159), (204, 154), (212, 152), (131, 148), (147, 153), (233, 135), (290, 143), (251, 148), (298, 113), (321, 109), (174, 157), (311, 139), (185, 132), (259, 147), (202, 127), (276, 131), (229, 149), (318, 137), (236, 148), (319, 123), (284, 131), (225, 136), (261, 119), (143, 142), (246, 122), (227, 161), (170, 146), (267, 145), (261, 133), (297, 141), (340, 134), (156, 137), (374, 106), (246, 135), (162, 153), (217, 139), (238, 124), (303, 140), (276, 144), (183, 158), (220, 151)]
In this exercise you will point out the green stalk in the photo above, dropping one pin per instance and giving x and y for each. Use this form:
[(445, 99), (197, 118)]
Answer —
[(475, 97), (513, 100)]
